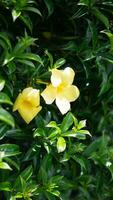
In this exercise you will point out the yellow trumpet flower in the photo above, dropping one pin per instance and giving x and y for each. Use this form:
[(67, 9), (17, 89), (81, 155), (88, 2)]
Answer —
[(28, 104), (61, 89)]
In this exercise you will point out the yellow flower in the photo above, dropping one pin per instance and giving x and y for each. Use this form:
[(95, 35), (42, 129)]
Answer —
[(61, 89), (28, 104)]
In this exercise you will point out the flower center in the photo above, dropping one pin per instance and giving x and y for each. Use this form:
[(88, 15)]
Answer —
[(27, 103), (61, 88)]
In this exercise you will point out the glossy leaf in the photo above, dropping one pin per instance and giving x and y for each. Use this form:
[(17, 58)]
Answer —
[(30, 56), (4, 165), (6, 117), (32, 9), (81, 124), (5, 99), (2, 84), (61, 144), (15, 14), (7, 150), (59, 63), (3, 130), (67, 122)]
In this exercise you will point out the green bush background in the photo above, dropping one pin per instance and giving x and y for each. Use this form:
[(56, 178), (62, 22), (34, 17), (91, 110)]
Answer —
[(33, 36)]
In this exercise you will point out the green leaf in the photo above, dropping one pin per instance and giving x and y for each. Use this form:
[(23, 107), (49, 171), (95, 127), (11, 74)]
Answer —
[(5, 186), (32, 9), (84, 132), (19, 195), (7, 150), (81, 124), (55, 193), (67, 122), (39, 132), (12, 162), (2, 84), (81, 162), (27, 21), (6, 117), (50, 58), (5, 38), (61, 144), (84, 2), (27, 173), (59, 63), (8, 59), (43, 175), (11, 67), (15, 14), (40, 121), (65, 157), (50, 6), (55, 179), (79, 13), (22, 44), (20, 185), (12, 198), (101, 17), (53, 124), (4, 165), (96, 144), (3, 45), (80, 134), (26, 62), (17, 134), (110, 36), (30, 56), (3, 130), (5, 99), (88, 3), (53, 135), (70, 133), (110, 167)]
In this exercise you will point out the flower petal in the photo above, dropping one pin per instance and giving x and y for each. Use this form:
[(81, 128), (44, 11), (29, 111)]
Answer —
[(49, 94), (56, 77), (63, 105), (68, 75), (28, 112), (31, 95), (71, 93), (18, 102)]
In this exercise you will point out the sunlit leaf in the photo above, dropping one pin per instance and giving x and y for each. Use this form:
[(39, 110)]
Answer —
[(15, 14), (4, 165), (61, 144), (2, 84)]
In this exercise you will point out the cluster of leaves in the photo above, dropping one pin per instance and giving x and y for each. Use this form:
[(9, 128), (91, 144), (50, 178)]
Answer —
[(54, 157)]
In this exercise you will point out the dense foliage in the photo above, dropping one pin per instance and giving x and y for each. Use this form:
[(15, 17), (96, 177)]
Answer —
[(54, 156)]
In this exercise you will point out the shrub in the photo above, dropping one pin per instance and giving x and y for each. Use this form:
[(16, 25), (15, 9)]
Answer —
[(61, 50)]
